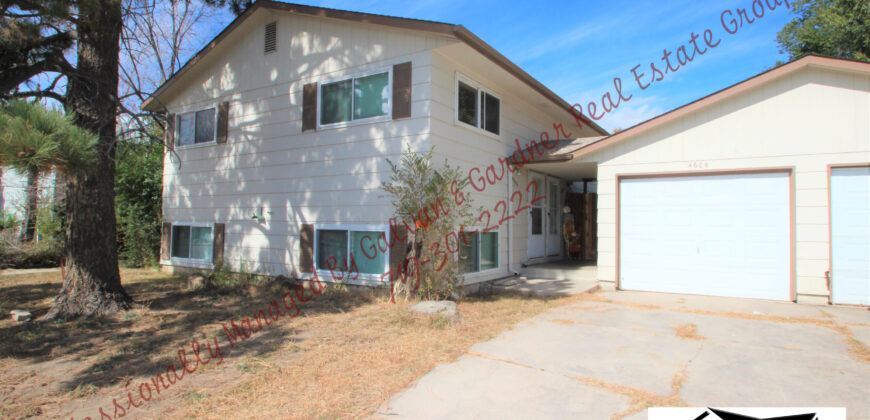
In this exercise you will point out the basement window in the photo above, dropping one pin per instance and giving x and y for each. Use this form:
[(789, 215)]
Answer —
[(478, 252), (352, 250), (192, 242)]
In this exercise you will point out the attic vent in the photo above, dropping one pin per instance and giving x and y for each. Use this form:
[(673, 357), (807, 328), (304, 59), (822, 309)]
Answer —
[(270, 38)]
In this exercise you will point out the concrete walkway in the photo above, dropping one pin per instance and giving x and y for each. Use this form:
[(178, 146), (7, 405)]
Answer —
[(552, 279), (612, 354)]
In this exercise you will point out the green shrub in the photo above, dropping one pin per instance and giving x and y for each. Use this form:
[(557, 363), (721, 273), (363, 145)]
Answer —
[(9, 220), (138, 201), (34, 254)]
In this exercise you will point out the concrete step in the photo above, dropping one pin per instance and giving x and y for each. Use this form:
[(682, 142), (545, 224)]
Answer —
[(545, 287), (560, 271)]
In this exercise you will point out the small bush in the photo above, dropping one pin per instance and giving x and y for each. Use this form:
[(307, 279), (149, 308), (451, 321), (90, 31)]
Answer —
[(15, 254), (8, 220)]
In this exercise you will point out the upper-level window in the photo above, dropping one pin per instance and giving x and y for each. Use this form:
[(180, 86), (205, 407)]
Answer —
[(477, 107), (196, 127), (355, 98)]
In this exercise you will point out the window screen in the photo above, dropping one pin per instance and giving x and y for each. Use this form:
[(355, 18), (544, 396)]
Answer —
[(468, 253), (331, 243), (365, 264), (489, 250), (186, 129), (491, 106), (204, 126), (370, 96), (335, 102), (181, 241), (467, 104), (201, 243)]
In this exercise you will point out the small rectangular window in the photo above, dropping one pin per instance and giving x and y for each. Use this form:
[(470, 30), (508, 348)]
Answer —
[(491, 106), (478, 251), (355, 99), (467, 106), (192, 242), (477, 107), (196, 127)]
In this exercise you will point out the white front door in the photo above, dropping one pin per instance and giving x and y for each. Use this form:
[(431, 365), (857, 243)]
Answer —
[(537, 216), (850, 236), (720, 235), (554, 211)]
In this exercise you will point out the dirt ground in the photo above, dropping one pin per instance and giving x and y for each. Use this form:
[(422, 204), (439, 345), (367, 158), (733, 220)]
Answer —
[(341, 357)]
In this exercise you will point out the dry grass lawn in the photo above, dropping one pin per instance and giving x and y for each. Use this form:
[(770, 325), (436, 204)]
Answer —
[(341, 357)]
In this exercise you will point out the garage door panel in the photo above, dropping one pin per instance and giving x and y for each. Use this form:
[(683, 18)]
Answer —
[(850, 235), (723, 235)]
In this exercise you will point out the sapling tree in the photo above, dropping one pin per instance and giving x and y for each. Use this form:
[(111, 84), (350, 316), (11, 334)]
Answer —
[(430, 202)]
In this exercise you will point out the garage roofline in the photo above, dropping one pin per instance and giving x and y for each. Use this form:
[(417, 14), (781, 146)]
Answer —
[(721, 95)]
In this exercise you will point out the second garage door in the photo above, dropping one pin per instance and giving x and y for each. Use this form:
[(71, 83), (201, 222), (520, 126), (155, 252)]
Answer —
[(719, 235)]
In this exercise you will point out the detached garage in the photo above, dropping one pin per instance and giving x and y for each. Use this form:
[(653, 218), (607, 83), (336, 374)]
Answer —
[(761, 190)]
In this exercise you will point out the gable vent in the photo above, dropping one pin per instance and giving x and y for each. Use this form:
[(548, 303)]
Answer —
[(270, 38)]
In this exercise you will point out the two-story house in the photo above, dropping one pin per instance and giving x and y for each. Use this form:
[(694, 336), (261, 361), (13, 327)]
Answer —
[(281, 127)]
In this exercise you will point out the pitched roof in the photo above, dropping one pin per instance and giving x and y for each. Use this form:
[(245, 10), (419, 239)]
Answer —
[(456, 31), (721, 95)]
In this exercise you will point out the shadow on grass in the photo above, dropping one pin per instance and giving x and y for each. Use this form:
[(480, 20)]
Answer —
[(144, 342)]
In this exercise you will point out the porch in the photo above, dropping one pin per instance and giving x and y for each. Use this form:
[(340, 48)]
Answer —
[(554, 278)]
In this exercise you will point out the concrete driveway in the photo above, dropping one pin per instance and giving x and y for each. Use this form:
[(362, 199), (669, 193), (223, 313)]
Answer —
[(612, 354)]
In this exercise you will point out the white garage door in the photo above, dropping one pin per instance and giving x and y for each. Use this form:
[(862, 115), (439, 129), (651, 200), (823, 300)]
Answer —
[(722, 235), (850, 236)]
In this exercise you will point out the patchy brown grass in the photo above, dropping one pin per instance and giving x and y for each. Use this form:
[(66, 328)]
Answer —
[(687, 331), (342, 357), (354, 361)]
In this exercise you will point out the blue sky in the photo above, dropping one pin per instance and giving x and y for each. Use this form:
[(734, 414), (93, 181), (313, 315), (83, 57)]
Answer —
[(577, 48)]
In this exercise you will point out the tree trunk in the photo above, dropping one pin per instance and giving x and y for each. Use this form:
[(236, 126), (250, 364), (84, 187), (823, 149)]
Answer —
[(91, 280), (28, 229)]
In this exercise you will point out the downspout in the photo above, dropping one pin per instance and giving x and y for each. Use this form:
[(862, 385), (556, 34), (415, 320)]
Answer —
[(510, 180)]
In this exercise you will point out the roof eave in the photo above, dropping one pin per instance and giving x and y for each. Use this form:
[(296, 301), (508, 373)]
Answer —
[(722, 94)]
